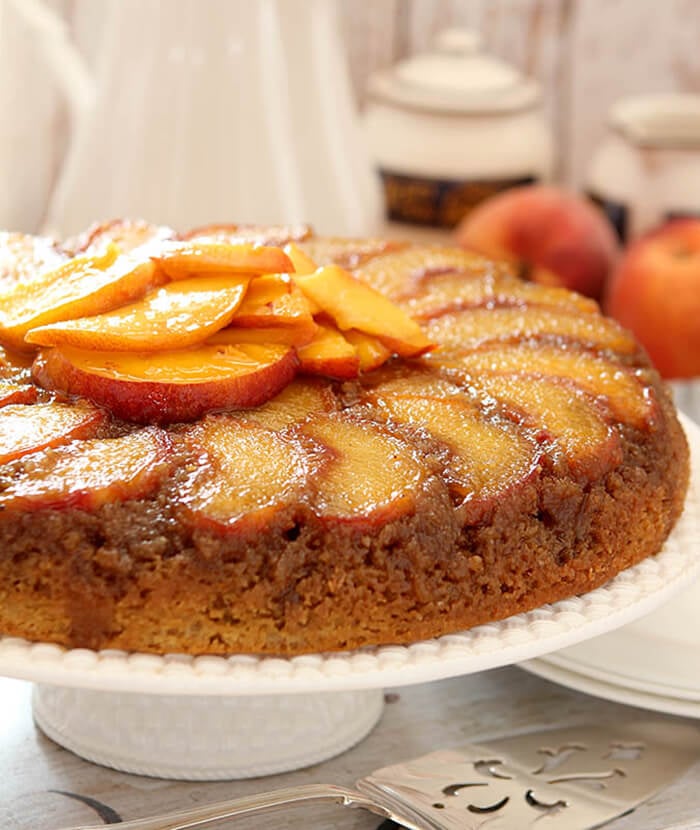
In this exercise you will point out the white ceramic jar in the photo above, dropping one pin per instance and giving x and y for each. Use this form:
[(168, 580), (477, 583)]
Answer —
[(647, 169), (448, 128)]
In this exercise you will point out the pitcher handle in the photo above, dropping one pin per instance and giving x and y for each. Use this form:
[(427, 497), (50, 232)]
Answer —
[(65, 60)]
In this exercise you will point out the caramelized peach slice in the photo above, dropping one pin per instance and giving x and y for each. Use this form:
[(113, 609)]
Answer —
[(369, 476), (348, 253), (26, 429), (416, 382), (246, 473), (398, 274), (302, 262), (24, 257), (88, 474), (622, 389), (12, 392), (470, 329), (273, 301), (176, 316), (288, 335), (185, 259), (566, 415), (486, 456), (164, 387), (82, 286), (127, 234), (330, 354), (277, 235), (372, 353), (444, 293), (354, 305), (296, 402), (14, 366)]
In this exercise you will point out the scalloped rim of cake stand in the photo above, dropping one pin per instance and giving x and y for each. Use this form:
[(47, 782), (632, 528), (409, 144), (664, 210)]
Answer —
[(631, 594)]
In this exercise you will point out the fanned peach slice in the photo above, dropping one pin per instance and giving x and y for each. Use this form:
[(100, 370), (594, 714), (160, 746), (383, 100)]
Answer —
[(398, 274), (302, 262), (444, 293), (486, 456), (127, 234), (246, 473), (353, 305), (12, 392), (296, 402), (372, 353), (369, 476), (622, 389), (418, 381), (25, 429), (329, 354), (176, 316), (348, 253), (562, 413), (184, 259), (289, 335), (470, 329), (165, 387), (24, 257), (273, 301), (262, 234), (88, 474), (82, 286)]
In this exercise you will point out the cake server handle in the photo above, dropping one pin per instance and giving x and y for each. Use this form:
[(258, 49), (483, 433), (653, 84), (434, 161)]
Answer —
[(205, 816)]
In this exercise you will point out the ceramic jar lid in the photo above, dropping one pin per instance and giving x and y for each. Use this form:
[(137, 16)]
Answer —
[(456, 78), (665, 120)]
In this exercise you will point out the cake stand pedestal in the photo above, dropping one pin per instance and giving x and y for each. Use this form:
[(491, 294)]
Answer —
[(205, 738), (208, 718)]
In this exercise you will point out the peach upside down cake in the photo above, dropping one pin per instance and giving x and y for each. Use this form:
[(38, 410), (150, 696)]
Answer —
[(253, 440)]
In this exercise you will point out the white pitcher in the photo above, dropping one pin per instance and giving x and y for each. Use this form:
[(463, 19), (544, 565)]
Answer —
[(201, 111)]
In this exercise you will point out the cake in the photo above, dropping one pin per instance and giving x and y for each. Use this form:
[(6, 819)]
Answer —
[(309, 471)]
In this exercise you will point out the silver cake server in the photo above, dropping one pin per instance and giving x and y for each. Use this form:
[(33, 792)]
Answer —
[(560, 779)]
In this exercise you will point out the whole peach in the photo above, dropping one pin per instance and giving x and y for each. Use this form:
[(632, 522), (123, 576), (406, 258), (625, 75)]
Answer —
[(655, 292), (551, 236)]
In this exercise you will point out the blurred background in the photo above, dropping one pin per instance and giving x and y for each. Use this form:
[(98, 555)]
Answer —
[(584, 54)]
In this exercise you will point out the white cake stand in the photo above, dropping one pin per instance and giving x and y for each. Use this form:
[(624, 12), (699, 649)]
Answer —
[(209, 718)]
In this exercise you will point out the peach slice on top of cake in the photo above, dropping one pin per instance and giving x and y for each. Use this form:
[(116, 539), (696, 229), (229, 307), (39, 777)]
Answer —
[(175, 316), (353, 305), (165, 387), (230, 488), (485, 455), (620, 388), (182, 259), (28, 428), (472, 328), (85, 285), (90, 473), (329, 353)]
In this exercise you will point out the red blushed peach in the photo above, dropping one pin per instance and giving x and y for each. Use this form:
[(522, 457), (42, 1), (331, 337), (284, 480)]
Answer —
[(552, 237), (655, 292)]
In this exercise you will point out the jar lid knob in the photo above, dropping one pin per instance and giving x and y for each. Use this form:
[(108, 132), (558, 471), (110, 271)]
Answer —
[(458, 41)]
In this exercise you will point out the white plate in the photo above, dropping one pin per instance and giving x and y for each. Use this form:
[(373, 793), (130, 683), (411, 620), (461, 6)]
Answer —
[(658, 654), (632, 594), (609, 691)]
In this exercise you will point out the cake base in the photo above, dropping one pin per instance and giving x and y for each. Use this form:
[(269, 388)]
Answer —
[(205, 738)]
